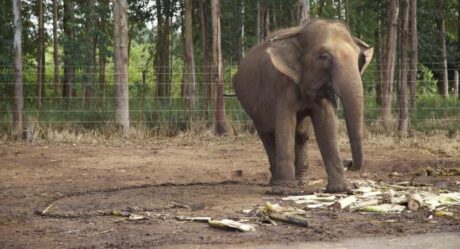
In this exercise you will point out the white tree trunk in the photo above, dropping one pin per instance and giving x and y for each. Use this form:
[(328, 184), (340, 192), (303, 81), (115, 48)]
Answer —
[(18, 86), (217, 54), (120, 14), (445, 76), (456, 84), (304, 11)]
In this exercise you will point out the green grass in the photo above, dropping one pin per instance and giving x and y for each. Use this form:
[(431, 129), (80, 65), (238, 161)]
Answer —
[(172, 117)]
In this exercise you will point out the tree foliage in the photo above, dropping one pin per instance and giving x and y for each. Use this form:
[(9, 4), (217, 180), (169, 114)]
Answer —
[(156, 43)]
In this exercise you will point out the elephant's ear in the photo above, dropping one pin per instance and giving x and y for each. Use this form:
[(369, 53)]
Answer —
[(366, 54), (284, 51)]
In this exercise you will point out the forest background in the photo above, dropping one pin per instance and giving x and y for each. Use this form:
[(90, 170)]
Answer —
[(77, 63)]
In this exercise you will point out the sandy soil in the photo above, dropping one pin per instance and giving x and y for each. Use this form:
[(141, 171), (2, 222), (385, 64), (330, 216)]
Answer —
[(163, 178)]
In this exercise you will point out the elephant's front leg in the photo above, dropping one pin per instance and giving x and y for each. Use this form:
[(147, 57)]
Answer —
[(324, 124), (285, 150)]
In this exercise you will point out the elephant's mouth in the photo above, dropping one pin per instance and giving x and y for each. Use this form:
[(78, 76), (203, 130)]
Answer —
[(330, 94)]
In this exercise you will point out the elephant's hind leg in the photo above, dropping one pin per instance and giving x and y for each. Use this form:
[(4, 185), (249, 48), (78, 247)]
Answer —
[(303, 131), (268, 140)]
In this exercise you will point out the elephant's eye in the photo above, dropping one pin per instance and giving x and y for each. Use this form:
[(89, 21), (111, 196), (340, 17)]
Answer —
[(324, 56), (325, 59)]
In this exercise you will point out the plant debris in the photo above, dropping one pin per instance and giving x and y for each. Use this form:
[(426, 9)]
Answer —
[(270, 212), (381, 197), (290, 218), (198, 218), (231, 224), (429, 171)]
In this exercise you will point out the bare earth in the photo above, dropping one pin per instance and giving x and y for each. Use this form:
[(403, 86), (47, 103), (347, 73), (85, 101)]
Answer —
[(205, 176)]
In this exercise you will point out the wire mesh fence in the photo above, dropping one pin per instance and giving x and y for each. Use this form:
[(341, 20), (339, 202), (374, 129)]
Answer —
[(91, 103)]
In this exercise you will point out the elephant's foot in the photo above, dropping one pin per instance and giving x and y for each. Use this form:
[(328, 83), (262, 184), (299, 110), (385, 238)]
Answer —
[(302, 183), (349, 165), (285, 188), (338, 186)]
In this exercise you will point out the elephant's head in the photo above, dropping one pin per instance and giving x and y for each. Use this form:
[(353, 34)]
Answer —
[(326, 61)]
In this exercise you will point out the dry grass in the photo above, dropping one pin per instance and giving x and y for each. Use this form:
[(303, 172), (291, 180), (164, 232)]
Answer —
[(436, 141)]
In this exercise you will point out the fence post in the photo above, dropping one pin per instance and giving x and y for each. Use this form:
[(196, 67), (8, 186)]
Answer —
[(456, 84)]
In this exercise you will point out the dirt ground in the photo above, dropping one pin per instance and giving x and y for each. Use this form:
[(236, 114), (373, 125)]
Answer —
[(82, 183)]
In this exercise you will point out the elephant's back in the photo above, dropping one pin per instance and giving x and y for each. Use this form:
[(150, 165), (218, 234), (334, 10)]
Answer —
[(252, 85), (250, 67), (248, 80)]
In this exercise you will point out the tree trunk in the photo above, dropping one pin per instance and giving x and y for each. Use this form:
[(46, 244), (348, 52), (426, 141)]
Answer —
[(413, 55), (403, 98), (445, 77), (69, 70), (55, 50), (241, 35), (266, 22), (18, 86), (390, 54), (456, 84), (207, 72), (320, 7), (41, 54), (189, 78), (221, 128), (304, 11), (90, 52), (348, 11), (339, 9), (378, 56), (163, 58), (120, 13), (102, 63), (259, 22)]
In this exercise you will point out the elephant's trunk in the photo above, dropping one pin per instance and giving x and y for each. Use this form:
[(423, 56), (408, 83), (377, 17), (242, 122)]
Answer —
[(350, 90)]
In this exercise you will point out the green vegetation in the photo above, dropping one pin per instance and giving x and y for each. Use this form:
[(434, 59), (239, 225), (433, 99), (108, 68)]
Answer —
[(169, 114)]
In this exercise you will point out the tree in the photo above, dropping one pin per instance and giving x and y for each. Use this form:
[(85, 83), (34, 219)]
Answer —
[(221, 128), (55, 49), (263, 21), (403, 100), (445, 77), (69, 40), (241, 33), (320, 7), (379, 55), (105, 35), (390, 54), (120, 37), (304, 11), (163, 47), (18, 86), (413, 55), (90, 56), (265, 16), (189, 79), (41, 54), (258, 32), (207, 73)]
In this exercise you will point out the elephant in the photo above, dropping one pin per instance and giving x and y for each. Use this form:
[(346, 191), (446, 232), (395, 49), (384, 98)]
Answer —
[(295, 76)]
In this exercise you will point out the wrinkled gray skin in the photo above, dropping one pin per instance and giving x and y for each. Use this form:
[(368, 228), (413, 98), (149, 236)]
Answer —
[(298, 73)]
